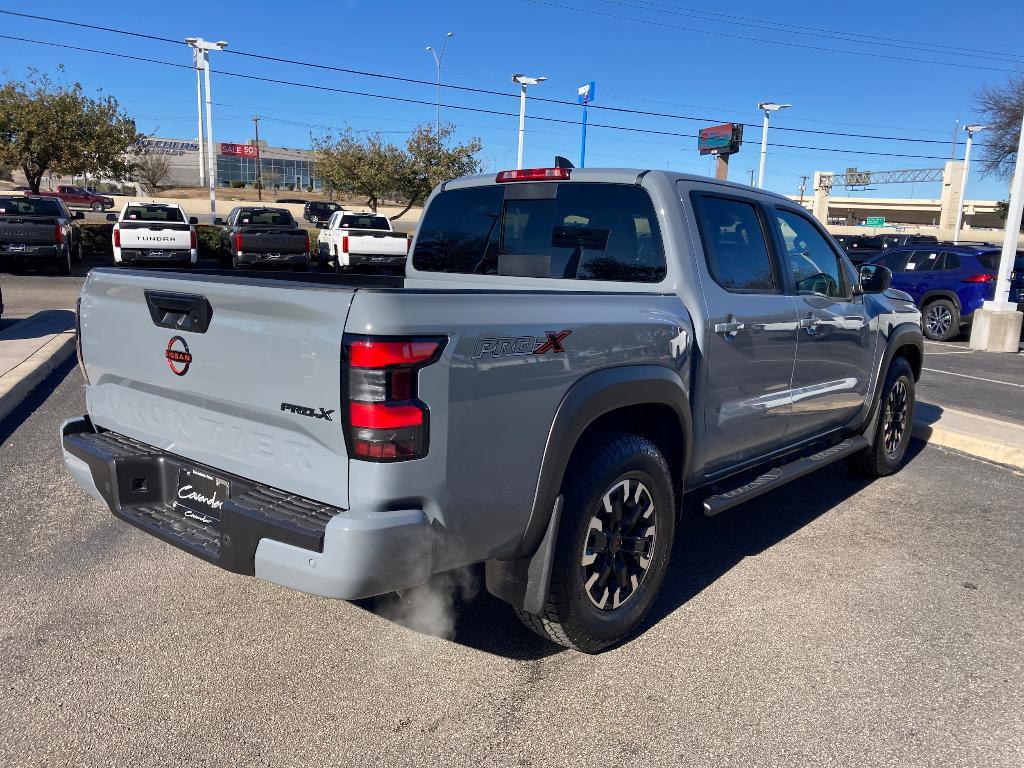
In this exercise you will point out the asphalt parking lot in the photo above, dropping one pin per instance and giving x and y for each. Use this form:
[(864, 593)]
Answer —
[(984, 383), (833, 622)]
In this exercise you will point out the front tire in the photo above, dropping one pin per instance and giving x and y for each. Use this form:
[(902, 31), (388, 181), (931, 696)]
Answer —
[(895, 422), (613, 546), (941, 320)]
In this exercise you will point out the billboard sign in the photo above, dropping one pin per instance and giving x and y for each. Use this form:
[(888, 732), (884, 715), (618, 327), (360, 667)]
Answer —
[(586, 93), (242, 150), (722, 139)]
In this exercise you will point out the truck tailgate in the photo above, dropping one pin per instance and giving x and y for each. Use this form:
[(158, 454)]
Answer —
[(15, 230), (257, 394), (273, 241), (147, 235), (384, 243)]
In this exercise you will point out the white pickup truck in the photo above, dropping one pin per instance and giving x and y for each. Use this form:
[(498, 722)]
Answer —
[(153, 232), (354, 239)]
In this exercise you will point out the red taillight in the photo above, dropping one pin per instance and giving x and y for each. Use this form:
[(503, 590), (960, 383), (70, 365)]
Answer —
[(384, 421), (344, 243), (533, 174), (238, 241), (192, 239), (58, 234), (380, 354), (307, 242), (117, 237), (981, 278)]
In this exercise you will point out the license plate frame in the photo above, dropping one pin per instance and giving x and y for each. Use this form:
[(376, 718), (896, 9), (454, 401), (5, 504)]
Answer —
[(200, 496)]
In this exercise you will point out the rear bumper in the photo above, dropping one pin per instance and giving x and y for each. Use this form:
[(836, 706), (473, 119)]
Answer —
[(282, 538), (272, 258), (149, 256), (30, 252), (371, 260)]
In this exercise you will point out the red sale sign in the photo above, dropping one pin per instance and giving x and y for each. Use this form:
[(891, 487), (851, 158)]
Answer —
[(244, 150)]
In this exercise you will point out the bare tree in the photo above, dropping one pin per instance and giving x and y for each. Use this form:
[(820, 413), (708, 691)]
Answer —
[(1002, 107), (151, 172)]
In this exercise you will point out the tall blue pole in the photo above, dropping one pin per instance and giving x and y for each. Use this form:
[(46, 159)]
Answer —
[(583, 139)]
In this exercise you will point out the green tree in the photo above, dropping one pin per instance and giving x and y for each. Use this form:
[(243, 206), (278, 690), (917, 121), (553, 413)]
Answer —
[(48, 127), (431, 159), (1002, 108), (1003, 210), (361, 166)]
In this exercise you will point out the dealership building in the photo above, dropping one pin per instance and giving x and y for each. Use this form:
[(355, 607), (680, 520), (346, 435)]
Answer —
[(235, 163)]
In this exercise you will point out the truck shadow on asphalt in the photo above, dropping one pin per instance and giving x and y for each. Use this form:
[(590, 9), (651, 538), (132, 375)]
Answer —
[(705, 550)]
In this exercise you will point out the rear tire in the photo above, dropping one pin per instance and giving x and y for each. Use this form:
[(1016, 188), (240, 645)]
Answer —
[(96, 207), (79, 253), (895, 422), (941, 320), (613, 546), (63, 263), (235, 264)]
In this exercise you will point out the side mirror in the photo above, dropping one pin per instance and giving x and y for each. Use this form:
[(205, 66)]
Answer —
[(112, 217), (79, 214), (194, 220), (217, 221), (874, 278)]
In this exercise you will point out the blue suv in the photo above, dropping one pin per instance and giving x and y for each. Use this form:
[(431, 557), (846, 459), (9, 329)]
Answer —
[(948, 282)]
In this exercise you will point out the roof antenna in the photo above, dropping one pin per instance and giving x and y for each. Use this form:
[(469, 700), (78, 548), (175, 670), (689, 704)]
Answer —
[(563, 162)]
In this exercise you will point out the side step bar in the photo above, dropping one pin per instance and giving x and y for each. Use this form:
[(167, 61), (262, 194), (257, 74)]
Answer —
[(778, 476)]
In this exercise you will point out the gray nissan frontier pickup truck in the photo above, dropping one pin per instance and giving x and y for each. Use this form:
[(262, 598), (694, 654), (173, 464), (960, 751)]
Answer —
[(573, 357)]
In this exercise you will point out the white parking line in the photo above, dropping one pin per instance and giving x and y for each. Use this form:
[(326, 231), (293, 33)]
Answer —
[(976, 378), (949, 349)]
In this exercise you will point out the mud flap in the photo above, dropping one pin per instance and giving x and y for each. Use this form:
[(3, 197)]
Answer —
[(523, 583)]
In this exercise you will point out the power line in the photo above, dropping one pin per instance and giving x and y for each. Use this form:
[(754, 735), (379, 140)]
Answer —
[(422, 102), (748, 38), (482, 91), (842, 35)]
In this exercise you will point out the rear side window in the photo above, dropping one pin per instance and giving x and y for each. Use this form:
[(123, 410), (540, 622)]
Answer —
[(735, 244), (152, 213), (950, 261), (574, 231), (924, 261)]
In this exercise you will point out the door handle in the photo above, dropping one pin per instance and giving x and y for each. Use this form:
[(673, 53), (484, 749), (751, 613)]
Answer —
[(810, 321), (731, 325)]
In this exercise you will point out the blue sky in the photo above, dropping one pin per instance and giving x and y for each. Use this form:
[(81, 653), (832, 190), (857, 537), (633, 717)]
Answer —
[(679, 57)]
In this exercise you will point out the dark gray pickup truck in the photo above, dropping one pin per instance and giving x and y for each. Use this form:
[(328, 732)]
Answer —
[(574, 358), (256, 235), (39, 230)]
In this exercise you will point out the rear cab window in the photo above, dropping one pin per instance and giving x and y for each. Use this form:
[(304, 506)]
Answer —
[(567, 230), (29, 206), (282, 218), (152, 213), (356, 221)]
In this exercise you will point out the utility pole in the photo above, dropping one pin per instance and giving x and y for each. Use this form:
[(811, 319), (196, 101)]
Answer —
[(259, 161), (803, 186)]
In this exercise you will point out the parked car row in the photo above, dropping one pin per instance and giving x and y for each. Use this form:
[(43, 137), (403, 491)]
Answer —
[(949, 282), (860, 248)]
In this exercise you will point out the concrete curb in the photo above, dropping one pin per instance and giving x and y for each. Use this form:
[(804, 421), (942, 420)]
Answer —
[(17, 383), (992, 439)]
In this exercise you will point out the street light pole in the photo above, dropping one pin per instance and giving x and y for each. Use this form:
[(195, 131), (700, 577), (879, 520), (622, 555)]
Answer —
[(1001, 300), (203, 48), (586, 95), (971, 130), (438, 58), (197, 61), (768, 107), (523, 81)]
